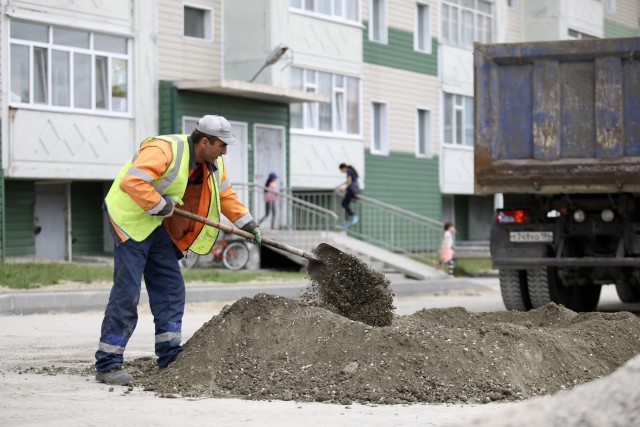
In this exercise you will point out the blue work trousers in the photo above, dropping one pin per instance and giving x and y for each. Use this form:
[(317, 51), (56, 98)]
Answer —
[(154, 258)]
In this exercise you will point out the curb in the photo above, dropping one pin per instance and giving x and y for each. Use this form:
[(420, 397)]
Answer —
[(40, 302)]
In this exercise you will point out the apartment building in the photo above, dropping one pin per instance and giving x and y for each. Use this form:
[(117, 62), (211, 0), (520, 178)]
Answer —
[(78, 90)]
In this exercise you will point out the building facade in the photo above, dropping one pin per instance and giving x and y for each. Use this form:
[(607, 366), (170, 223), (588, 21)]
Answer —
[(78, 90)]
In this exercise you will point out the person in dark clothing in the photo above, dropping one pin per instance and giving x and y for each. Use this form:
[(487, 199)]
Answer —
[(351, 189)]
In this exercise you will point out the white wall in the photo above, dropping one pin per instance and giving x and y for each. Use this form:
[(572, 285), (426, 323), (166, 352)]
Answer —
[(58, 145), (586, 16)]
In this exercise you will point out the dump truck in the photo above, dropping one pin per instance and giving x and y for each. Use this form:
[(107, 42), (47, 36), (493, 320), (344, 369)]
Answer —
[(557, 133)]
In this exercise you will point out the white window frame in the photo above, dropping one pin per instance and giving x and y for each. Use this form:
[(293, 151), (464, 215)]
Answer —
[(208, 22), (50, 46), (383, 26), (337, 10), (426, 34), (311, 110), (380, 143), (427, 152), (455, 9), (457, 107)]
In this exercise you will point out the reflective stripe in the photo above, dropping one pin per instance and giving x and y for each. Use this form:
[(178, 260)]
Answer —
[(168, 179), (243, 220), (157, 208), (109, 348), (225, 185), (169, 336), (140, 174)]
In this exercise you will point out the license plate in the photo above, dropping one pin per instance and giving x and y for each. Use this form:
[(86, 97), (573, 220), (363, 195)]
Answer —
[(531, 236)]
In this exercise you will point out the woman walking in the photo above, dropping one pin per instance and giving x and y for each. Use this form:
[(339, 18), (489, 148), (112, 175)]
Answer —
[(351, 189)]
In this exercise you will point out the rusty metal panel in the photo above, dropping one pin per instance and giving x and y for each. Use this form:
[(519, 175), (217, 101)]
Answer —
[(546, 110), (559, 116)]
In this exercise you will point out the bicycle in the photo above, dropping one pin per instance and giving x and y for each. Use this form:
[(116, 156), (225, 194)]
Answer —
[(234, 254)]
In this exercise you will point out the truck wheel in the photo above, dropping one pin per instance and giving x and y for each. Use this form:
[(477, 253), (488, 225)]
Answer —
[(513, 287), (545, 287), (628, 292)]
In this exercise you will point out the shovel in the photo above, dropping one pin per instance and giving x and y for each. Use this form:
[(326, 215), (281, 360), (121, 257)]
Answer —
[(322, 255)]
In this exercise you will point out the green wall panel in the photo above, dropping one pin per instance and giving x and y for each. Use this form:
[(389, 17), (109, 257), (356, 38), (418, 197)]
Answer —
[(86, 218), (19, 208), (403, 180), (176, 104), (399, 53), (614, 29)]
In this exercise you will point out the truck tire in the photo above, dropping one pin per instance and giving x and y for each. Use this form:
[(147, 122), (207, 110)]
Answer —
[(628, 292), (513, 287), (545, 287)]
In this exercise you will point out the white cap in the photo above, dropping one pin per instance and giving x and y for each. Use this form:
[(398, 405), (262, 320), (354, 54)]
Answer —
[(217, 126)]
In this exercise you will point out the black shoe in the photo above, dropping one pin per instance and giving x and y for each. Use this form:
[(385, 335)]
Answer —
[(116, 376)]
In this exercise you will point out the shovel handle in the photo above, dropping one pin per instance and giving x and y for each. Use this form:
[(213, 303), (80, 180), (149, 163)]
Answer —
[(245, 234)]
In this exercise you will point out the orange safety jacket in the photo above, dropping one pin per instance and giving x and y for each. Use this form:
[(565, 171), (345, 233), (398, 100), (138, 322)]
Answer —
[(153, 159)]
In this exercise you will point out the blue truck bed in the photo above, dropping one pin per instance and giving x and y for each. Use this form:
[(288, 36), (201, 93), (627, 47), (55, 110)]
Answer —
[(558, 117)]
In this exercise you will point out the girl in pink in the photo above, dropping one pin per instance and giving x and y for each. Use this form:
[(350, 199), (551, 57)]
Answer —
[(270, 197)]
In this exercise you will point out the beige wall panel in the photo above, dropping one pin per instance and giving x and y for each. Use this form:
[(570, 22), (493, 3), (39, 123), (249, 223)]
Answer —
[(515, 25), (627, 12), (315, 159), (107, 13), (325, 45), (403, 92), (45, 144), (585, 16), (183, 58)]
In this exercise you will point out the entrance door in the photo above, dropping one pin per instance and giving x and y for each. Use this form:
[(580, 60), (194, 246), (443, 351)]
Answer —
[(51, 221), (269, 157), (236, 162)]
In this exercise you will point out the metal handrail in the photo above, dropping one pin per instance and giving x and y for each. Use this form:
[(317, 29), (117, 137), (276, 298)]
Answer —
[(386, 225), (293, 213)]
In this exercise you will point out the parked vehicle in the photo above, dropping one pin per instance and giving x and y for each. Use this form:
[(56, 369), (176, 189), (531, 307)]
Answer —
[(557, 132)]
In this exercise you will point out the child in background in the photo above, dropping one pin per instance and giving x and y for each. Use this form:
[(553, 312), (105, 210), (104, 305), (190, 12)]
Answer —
[(270, 197), (447, 252)]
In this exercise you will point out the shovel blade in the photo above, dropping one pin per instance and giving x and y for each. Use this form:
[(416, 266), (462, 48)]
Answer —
[(327, 255)]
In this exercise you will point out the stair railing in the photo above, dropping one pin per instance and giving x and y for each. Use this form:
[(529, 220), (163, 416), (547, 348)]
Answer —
[(385, 225)]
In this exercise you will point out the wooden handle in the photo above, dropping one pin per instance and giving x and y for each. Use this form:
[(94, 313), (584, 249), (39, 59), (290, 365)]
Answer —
[(246, 234)]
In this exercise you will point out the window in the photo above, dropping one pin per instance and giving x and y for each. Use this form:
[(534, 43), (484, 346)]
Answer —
[(347, 10), (458, 119), (611, 6), (512, 3), (422, 40), (379, 135), (464, 22), (341, 115), (577, 35), (378, 21), (60, 67), (423, 133), (198, 22)]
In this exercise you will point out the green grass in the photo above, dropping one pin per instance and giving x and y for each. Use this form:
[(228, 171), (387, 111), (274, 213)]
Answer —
[(35, 275), (471, 266)]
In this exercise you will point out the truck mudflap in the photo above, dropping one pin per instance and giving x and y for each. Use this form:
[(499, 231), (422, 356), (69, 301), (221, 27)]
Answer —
[(519, 263)]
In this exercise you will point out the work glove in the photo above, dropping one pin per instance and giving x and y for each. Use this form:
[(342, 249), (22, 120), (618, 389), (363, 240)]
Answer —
[(258, 239), (167, 211)]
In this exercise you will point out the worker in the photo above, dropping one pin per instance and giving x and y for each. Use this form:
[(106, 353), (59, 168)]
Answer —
[(167, 171)]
